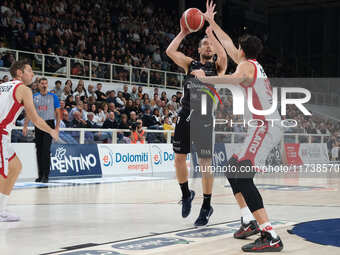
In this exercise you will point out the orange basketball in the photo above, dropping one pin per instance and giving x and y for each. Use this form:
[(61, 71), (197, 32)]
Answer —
[(192, 20)]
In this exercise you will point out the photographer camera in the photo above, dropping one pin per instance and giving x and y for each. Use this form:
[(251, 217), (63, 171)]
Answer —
[(137, 132)]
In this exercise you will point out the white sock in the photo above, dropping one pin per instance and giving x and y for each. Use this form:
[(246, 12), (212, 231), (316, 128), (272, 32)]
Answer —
[(268, 228), (246, 215), (3, 201)]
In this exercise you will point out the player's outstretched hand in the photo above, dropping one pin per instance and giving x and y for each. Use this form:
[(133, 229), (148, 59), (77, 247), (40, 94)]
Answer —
[(209, 14), (198, 73)]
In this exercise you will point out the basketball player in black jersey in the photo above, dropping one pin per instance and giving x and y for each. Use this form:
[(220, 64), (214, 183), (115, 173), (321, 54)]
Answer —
[(208, 47)]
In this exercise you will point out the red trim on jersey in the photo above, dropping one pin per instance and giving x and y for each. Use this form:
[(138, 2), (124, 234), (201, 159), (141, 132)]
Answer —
[(256, 100), (254, 78), (244, 86), (2, 168), (12, 157), (15, 89), (13, 111)]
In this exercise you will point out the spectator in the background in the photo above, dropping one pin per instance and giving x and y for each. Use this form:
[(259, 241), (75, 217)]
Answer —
[(101, 114), (112, 108), (174, 121), (100, 95), (66, 93), (78, 121), (69, 102), (129, 107), (154, 100), (163, 97), (140, 92), (147, 118), (66, 122), (62, 109), (158, 105), (179, 96), (110, 122), (174, 103), (80, 109), (91, 123), (77, 99), (323, 129), (134, 94), (146, 104), (165, 114), (91, 100), (156, 117), (58, 90), (133, 117), (126, 94), (120, 100), (138, 106), (5, 78), (168, 126), (91, 92), (35, 87), (80, 90), (125, 136), (172, 111), (156, 57), (69, 84), (111, 98)]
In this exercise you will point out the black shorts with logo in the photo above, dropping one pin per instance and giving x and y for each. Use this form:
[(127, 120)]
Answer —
[(194, 132)]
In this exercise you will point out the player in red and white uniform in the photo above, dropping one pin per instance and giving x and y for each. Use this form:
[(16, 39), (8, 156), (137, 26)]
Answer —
[(259, 141), (262, 135), (14, 97)]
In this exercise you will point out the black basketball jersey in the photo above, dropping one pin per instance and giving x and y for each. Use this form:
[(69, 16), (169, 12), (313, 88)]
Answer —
[(209, 69)]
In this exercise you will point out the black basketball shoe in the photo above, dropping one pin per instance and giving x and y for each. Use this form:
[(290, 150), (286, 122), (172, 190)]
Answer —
[(246, 230), (265, 243), (204, 216), (186, 204)]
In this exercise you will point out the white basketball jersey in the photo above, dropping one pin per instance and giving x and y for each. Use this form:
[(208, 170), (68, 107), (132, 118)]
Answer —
[(10, 108), (262, 95)]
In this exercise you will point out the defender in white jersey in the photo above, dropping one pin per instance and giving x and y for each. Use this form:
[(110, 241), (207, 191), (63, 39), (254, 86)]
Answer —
[(14, 97), (262, 135), (259, 141)]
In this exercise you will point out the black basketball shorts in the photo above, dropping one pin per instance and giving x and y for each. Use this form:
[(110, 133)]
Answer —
[(194, 132)]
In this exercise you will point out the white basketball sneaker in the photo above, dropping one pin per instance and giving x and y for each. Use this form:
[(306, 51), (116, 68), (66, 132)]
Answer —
[(6, 216)]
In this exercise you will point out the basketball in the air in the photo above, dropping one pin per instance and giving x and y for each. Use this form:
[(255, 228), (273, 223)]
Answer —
[(192, 20)]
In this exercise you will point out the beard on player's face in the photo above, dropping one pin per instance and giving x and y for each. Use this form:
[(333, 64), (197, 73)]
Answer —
[(207, 56)]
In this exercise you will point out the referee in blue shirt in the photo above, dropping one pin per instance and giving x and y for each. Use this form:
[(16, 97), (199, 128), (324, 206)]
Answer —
[(47, 106)]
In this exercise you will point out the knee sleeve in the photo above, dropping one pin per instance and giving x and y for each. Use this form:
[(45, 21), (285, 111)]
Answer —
[(232, 176), (248, 189)]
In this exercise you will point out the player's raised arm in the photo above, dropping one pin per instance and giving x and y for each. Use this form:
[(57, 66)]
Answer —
[(24, 95), (178, 57), (223, 37), (221, 61)]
